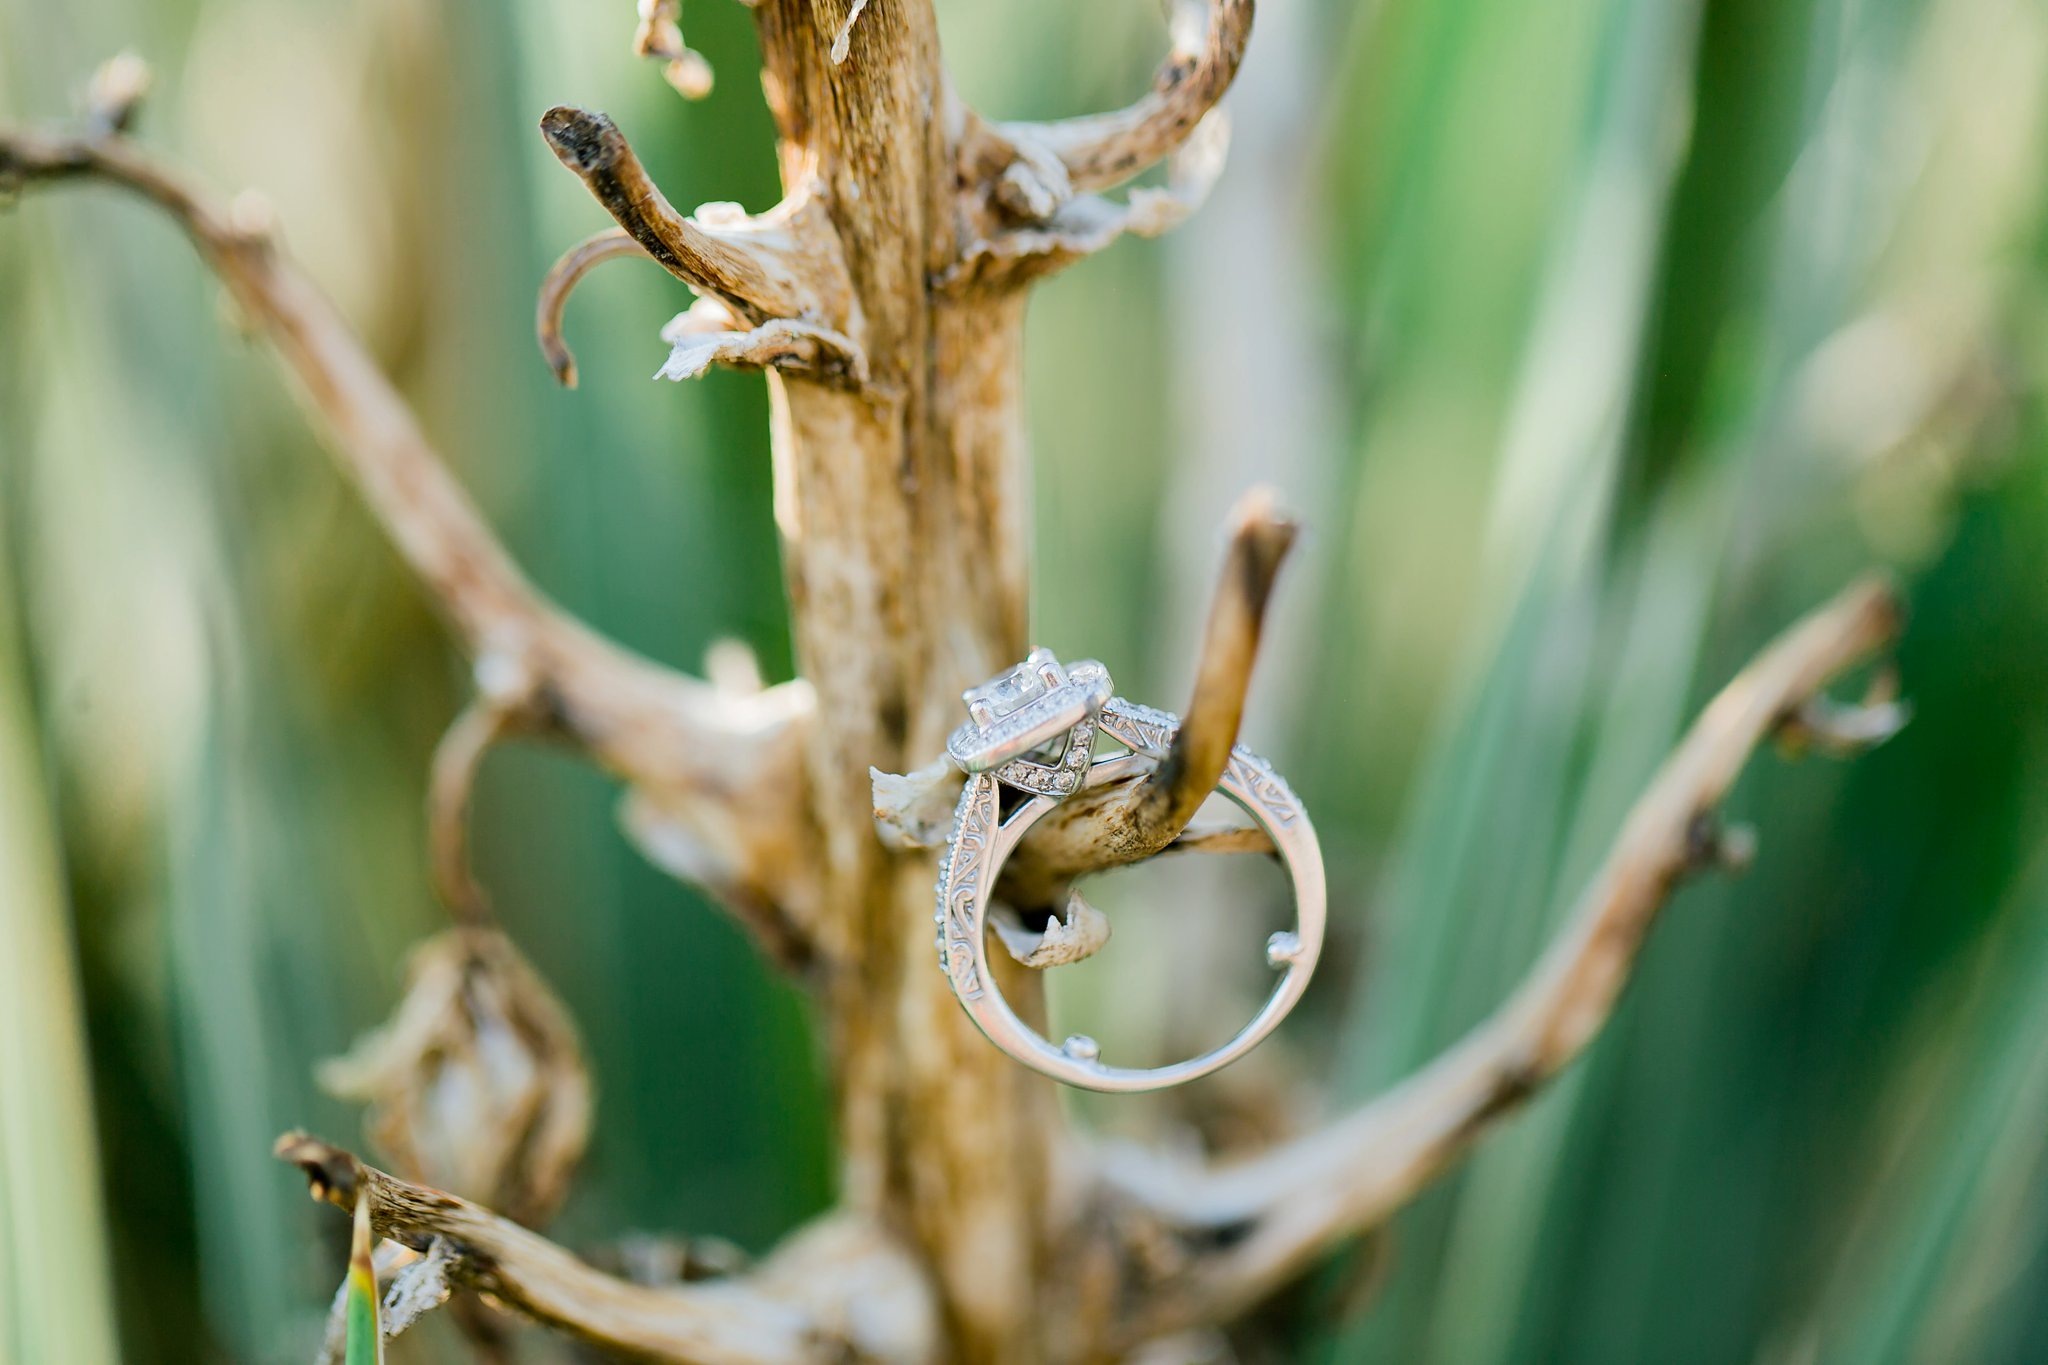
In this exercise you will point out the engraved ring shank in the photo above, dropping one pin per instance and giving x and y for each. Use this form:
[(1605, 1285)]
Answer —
[(982, 839)]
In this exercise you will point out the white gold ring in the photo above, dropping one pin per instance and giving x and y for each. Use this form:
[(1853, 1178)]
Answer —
[(1046, 765)]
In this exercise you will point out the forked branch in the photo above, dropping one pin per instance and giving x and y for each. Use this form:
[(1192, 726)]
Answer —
[(716, 779), (838, 1291), (1265, 1220)]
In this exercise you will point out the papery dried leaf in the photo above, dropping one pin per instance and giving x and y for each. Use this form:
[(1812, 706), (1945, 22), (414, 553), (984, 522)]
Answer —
[(707, 334), (477, 1085), (1073, 937)]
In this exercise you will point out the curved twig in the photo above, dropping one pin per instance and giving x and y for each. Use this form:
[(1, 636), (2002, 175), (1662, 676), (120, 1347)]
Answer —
[(1113, 826), (839, 1291), (1265, 1220), (723, 773), (1104, 150), (457, 759), (562, 278)]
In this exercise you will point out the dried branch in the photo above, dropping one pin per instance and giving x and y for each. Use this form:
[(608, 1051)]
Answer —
[(1222, 839), (562, 278), (840, 1291), (1263, 1221), (456, 760), (719, 772), (1100, 151), (1116, 825), (782, 264)]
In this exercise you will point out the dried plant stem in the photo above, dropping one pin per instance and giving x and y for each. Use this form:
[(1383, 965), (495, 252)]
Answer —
[(719, 770), (1287, 1206), (835, 1293)]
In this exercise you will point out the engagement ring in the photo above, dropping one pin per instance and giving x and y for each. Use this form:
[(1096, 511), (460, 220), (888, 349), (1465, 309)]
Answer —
[(1034, 728)]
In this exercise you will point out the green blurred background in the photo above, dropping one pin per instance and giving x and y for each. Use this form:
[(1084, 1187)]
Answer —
[(1596, 339)]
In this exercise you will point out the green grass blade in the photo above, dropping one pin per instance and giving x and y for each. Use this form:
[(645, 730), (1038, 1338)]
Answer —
[(365, 1332)]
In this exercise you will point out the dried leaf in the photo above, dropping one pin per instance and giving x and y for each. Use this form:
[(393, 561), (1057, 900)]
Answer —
[(708, 334), (477, 1085), (1078, 934)]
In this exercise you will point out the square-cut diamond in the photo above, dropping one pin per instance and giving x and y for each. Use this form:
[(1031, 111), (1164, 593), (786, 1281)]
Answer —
[(1007, 692)]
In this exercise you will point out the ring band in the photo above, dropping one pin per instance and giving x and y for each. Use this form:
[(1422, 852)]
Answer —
[(983, 838)]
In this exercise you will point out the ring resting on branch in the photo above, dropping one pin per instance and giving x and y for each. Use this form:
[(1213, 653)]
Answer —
[(883, 299)]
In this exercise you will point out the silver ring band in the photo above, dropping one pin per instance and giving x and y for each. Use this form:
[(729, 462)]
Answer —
[(982, 839)]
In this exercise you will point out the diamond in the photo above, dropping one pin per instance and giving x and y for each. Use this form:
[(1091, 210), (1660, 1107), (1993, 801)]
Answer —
[(1011, 690)]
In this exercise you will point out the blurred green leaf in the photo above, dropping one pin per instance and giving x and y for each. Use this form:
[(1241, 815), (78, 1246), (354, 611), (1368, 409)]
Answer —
[(365, 1340)]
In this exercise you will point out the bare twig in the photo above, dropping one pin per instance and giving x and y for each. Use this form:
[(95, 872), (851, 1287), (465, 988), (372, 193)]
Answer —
[(839, 1291), (1162, 804), (1264, 1220), (1104, 150), (1123, 824), (780, 264), (1222, 839), (719, 772), (456, 760), (562, 278)]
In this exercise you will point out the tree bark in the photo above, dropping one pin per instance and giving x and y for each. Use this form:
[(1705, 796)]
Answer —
[(905, 538)]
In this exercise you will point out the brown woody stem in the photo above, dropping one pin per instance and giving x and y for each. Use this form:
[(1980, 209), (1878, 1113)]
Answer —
[(1287, 1206)]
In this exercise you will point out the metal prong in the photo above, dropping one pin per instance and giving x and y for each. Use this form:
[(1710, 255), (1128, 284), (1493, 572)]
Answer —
[(1049, 667), (1282, 948)]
